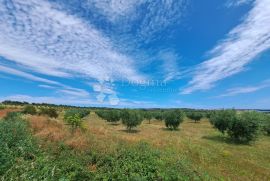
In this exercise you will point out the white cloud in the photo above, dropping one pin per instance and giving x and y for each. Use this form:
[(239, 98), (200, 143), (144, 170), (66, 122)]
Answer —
[(246, 89), (103, 87), (242, 45), (50, 100), (115, 9), (19, 73), (46, 86), (232, 3), (75, 92), (170, 66), (45, 39)]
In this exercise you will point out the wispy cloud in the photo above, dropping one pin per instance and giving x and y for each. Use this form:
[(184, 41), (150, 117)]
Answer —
[(170, 64), (242, 45), (232, 3), (246, 89), (19, 73), (75, 92), (44, 38)]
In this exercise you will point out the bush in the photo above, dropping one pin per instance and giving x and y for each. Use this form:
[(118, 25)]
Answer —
[(196, 116), (51, 112), (173, 119), (131, 119), (74, 120), (29, 109)]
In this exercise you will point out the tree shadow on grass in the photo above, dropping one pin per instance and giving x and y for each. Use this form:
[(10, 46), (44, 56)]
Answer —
[(133, 131), (114, 124), (169, 129), (224, 139)]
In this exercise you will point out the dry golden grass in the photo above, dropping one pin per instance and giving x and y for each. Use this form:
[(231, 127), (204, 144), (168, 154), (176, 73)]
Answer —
[(48, 129)]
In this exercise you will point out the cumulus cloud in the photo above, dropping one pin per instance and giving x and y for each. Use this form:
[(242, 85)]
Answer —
[(231, 55), (44, 38)]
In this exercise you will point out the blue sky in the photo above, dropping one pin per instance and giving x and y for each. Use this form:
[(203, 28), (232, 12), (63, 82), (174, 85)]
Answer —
[(164, 53)]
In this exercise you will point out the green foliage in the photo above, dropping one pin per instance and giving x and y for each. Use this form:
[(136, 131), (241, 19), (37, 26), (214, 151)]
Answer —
[(131, 119), (21, 159), (265, 124), (222, 119), (196, 116), (75, 121), (148, 116), (29, 109), (112, 116), (51, 112), (12, 116), (245, 127), (241, 127), (158, 115), (173, 119), (16, 142), (2, 106), (73, 117), (139, 162)]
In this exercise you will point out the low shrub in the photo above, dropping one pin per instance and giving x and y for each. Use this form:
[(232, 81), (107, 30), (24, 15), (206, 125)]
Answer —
[(74, 120), (173, 119), (29, 109), (51, 112), (131, 119)]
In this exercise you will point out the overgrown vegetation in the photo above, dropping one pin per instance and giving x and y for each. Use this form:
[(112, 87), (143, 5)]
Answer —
[(29, 109), (73, 117), (2, 106), (51, 112), (22, 159)]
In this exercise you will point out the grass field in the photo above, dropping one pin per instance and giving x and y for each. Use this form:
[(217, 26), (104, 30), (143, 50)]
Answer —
[(199, 143), (205, 151)]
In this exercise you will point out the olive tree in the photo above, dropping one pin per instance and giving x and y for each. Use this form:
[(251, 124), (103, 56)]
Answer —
[(240, 127), (173, 119), (222, 119), (196, 116), (131, 119), (147, 116), (113, 116)]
